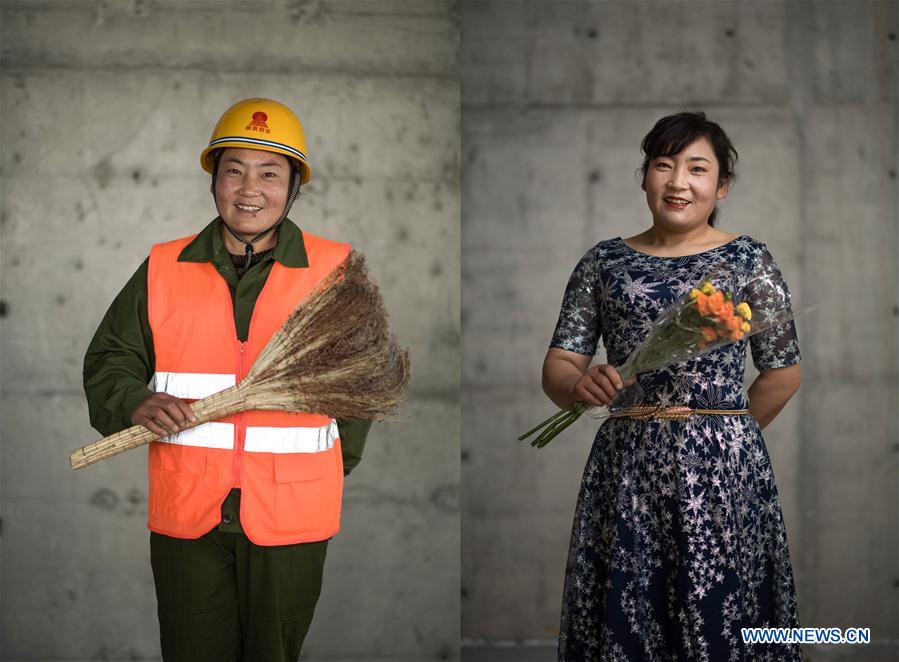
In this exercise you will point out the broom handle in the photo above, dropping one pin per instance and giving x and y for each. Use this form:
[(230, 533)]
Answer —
[(216, 406)]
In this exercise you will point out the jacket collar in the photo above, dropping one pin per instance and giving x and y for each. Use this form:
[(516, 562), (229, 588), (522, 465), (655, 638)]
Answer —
[(208, 245)]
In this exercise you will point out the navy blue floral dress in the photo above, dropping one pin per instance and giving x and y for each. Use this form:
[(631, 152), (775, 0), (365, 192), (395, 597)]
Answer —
[(678, 538)]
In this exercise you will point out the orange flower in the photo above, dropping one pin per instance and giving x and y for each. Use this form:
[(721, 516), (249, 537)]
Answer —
[(727, 313), (716, 303), (702, 305), (734, 327), (709, 333)]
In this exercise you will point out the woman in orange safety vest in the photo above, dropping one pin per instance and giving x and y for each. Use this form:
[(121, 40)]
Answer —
[(240, 509)]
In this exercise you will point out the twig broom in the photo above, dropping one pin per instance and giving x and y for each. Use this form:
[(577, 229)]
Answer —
[(334, 355)]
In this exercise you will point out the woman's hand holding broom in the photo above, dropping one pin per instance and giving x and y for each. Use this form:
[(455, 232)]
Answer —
[(216, 406), (163, 414)]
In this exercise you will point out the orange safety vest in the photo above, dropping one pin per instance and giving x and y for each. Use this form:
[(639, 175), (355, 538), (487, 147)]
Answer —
[(288, 465)]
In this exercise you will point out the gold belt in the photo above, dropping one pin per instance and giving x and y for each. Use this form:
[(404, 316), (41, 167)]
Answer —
[(671, 412)]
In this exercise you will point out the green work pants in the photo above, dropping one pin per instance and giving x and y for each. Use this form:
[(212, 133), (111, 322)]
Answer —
[(223, 599)]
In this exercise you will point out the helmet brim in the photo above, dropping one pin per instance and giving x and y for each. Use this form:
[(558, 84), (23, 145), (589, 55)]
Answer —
[(207, 160)]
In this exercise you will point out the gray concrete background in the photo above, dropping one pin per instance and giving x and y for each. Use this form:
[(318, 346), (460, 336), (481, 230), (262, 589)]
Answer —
[(105, 108), (556, 98)]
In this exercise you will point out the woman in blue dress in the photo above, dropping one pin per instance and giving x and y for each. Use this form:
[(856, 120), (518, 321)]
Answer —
[(678, 539)]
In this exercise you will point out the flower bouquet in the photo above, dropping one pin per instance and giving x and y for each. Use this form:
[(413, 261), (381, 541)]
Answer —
[(704, 319)]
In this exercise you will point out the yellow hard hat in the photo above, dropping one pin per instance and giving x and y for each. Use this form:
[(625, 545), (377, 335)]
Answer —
[(260, 124)]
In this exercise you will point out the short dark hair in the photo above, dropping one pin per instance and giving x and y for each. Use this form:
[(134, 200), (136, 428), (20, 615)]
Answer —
[(673, 133)]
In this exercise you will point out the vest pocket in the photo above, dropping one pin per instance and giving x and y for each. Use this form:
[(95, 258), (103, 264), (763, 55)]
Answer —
[(176, 482), (308, 490), (297, 467), (182, 459)]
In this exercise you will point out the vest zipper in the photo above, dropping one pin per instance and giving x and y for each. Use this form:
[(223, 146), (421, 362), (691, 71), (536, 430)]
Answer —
[(240, 428)]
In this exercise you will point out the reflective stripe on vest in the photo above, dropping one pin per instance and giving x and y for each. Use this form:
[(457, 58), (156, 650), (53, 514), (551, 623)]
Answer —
[(191, 385), (290, 440), (196, 386), (208, 435)]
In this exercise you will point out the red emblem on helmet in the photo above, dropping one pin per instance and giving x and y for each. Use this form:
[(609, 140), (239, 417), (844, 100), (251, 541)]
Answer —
[(258, 122)]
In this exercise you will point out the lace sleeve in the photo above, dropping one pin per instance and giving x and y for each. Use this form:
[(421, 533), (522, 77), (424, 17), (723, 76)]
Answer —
[(578, 327), (769, 297)]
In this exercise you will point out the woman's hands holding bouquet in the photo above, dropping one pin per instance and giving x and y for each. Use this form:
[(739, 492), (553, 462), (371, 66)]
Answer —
[(575, 387), (568, 378), (599, 386)]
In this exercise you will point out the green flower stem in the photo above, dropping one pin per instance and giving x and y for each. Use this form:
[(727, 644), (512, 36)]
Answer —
[(573, 413), (555, 430), (548, 421), (550, 430)]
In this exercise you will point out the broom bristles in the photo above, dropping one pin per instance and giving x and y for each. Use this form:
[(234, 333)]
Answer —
[(356, 370)]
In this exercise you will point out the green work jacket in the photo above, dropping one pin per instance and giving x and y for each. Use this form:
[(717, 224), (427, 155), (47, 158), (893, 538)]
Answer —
[(120, 360)]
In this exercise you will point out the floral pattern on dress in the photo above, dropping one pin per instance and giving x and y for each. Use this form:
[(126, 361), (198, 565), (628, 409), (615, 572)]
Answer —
[(678, 538)]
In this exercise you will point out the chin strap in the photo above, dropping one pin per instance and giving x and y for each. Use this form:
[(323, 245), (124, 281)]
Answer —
[(294, 192)]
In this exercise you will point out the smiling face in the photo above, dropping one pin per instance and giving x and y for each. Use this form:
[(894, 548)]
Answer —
[(682, 189), (251, 189)]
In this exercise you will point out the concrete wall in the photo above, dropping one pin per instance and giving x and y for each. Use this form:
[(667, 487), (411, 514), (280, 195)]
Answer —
[(105, 108), (556, 98)]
